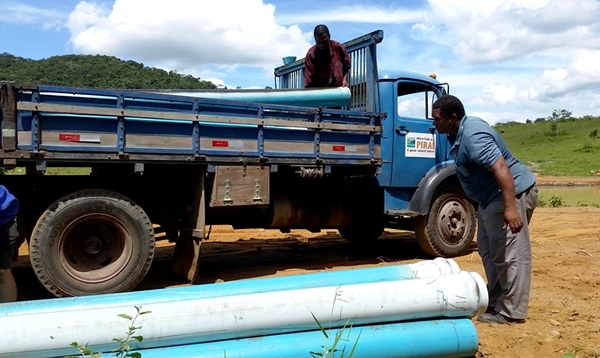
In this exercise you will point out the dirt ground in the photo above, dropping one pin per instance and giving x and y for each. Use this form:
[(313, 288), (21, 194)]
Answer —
[(564, 311)]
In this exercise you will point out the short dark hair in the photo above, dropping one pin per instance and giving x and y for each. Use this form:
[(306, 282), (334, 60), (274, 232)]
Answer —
[(448, 105), (320, 30)]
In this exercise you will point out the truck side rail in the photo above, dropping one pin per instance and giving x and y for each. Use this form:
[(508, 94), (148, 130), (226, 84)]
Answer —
[(66, 124), (362, 78)]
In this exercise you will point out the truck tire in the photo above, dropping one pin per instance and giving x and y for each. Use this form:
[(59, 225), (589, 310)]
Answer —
[(92, 242), (449, 229)]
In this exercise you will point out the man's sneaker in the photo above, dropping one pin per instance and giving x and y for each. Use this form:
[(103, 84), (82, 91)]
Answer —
[(495, 317)]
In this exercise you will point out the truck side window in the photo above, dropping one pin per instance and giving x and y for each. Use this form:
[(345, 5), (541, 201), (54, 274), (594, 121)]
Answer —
[(414, 101)]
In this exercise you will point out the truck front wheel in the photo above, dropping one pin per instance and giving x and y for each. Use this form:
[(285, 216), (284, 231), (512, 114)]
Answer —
[(449, 228), (92, 242)]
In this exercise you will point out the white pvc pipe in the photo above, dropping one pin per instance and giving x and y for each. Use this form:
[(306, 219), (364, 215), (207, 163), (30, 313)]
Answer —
[(423, 269), (461, 294)]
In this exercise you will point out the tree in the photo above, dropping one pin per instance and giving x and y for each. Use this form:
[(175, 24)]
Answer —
[(560, 115), (594, 134), (94, 71)]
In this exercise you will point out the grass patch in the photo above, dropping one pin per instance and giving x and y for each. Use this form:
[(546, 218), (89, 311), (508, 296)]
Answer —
[(572, 151)]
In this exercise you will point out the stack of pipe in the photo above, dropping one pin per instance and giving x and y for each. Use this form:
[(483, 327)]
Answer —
[(413, 310)]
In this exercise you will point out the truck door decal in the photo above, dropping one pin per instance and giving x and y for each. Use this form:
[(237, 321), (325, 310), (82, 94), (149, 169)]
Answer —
[(420, 145)]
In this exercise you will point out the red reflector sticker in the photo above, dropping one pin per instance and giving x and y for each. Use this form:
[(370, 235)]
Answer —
[(220, 143), (339, 148), (63, 137)]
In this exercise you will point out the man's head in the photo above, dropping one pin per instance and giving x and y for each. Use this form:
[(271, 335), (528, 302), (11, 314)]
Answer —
[(447, 113), (322, 37)]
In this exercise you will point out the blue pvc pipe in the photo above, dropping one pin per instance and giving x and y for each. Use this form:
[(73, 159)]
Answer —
[(306, 97), (423, 269), (435, 338)]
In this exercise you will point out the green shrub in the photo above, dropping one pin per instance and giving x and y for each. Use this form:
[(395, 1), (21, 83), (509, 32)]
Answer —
[(124, 349), (541, 201), (556, 201)]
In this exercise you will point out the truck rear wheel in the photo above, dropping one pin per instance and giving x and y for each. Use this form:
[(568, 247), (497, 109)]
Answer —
[(92, 242), (449, 228)]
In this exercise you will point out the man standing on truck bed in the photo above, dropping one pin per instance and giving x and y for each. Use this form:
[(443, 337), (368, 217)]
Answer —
[(9, 206), (327, 63), (506, 192)]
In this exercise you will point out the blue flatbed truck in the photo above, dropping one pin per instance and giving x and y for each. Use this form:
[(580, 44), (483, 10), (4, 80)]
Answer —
[(169, 163)]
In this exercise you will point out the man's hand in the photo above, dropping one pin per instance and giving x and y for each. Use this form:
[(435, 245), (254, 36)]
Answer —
[(512, 219), (345, 81), (506, 184)]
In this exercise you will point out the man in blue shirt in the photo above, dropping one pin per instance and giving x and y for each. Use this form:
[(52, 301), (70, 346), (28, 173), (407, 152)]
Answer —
[(506, 194), (9, 206)]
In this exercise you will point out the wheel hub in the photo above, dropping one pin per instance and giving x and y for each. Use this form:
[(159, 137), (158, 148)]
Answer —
[(95, 248), (92, 245), (452, 221)]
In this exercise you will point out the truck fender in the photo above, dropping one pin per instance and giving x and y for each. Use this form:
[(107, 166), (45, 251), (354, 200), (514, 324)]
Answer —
[(420, 202)]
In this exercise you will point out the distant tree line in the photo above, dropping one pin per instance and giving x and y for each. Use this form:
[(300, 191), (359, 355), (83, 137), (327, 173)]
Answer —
[(557, 116), (94, 71)]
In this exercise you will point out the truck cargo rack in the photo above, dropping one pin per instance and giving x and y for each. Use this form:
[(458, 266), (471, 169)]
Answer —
[(61, 125)]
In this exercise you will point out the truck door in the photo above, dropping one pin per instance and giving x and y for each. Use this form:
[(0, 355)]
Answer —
[(417, 146)]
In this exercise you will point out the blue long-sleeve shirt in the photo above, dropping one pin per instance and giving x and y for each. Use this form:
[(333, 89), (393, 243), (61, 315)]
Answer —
[(9, 205)]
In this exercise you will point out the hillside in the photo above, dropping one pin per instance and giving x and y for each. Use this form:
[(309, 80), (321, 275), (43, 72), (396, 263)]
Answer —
[(565, 147), (94, 72)]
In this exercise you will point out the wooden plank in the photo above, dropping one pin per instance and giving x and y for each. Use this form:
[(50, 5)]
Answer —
[(272, 146), (8, 100), (240, 186)]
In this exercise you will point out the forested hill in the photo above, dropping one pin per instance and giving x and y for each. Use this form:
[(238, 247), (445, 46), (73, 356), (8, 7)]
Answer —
[(94, 72)]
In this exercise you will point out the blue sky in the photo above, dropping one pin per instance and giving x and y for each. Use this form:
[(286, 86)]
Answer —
[(506, 59)]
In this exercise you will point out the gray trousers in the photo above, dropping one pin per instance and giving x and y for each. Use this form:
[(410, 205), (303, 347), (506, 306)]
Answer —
[(506, 256)]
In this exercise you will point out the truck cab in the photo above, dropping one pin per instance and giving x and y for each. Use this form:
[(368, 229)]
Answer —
[(417, 184)]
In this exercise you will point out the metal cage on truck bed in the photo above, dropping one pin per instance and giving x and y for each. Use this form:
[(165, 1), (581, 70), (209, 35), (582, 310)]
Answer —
[(362, 78), (52, 124)]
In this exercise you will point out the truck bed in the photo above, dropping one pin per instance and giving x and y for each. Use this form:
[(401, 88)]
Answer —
[(60, 126)]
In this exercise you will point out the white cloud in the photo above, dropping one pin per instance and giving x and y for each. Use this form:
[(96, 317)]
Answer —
[(198, 36), (19, 13), (581, 76), (516, 59), (495, 30), (355, 14), (497, 94)]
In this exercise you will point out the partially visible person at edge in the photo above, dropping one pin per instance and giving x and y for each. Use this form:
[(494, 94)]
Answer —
[(327, 63), (506, 193), (9, 206)]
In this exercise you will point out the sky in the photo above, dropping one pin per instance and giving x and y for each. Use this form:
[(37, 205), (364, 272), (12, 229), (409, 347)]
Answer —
[(507, 60)]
